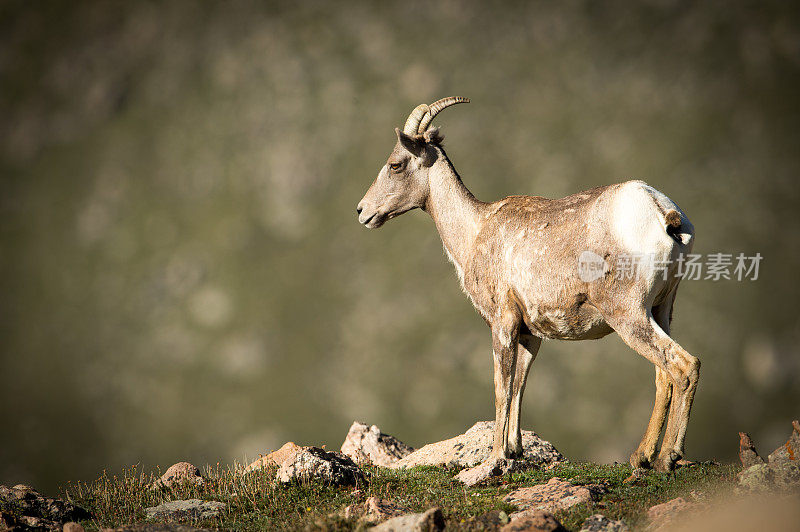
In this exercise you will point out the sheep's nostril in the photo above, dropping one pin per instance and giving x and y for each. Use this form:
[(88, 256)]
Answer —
[(359, 209)]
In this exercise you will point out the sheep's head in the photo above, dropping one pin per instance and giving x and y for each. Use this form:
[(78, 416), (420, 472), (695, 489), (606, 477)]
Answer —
[(402, 183)]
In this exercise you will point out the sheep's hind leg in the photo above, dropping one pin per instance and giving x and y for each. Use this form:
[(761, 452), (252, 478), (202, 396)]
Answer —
[(645, 453), (684, 386), (643, 335)]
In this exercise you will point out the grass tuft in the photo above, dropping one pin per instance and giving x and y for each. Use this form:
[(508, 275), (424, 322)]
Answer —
[(256, 502)]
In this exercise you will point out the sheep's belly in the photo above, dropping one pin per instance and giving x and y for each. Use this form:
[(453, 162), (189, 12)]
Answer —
[(583, 323)]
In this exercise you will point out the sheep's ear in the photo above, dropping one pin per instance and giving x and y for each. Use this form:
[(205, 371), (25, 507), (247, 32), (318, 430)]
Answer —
[(415, 146), (433, 136)]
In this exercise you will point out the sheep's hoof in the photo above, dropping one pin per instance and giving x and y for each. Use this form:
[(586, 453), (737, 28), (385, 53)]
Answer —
[(666, 463), (638, 460)]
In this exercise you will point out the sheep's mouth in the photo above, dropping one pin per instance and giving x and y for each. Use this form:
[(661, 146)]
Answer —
[(374, 221), (378, 218)]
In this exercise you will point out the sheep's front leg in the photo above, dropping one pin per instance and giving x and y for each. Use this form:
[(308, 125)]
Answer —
[(529, 347), (505, 337)]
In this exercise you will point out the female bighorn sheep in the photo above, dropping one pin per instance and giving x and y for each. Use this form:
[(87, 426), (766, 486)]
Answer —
[(552, 268)]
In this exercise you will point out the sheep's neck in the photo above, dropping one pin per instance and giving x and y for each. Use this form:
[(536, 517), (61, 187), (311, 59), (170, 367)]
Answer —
[(455, 211)]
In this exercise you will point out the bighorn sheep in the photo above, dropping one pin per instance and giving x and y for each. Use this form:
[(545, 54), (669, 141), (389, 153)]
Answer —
[(518, 260)]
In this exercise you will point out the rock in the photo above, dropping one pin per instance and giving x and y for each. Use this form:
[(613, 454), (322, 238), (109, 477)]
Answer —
[(156, 527), (491, 520), (18, 523), (23, 506), (275, 458), (782, 470), (430, 520), (601, 523), (490, 468), (759, 477), (189, 509), (790, 451), (182, 473), (747, 451), (313, 462), (72, 526), (534, 520), (668, 513), (374, 510), (555, 495), (366, 444), (766, 512), (787, 475), (473, 448)]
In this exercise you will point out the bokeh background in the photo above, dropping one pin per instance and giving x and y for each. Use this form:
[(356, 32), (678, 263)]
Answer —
[(182, 276)]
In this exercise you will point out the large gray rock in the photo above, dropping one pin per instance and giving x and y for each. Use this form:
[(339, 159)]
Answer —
[(366, 444), (182, 510), (758, 477), (555, 495), (316, 463), (428, 521), (473, 448), (787, 475), (23, 506)]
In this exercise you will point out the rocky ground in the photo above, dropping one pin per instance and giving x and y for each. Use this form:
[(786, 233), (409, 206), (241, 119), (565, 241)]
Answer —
[(377, 481)]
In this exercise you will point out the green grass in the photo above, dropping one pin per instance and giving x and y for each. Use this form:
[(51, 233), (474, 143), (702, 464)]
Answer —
[(256, 502)]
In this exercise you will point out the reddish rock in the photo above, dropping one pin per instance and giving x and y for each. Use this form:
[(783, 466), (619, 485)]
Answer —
[(789, 451), (782, 470), (555, 495), (179, 474), (72, 526), (374, 510), (534, 521), (665, 514), (747, 451), (428, 521), (275, 458)]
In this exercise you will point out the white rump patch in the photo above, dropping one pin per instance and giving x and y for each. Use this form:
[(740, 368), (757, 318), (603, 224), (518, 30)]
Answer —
[(637, 222)]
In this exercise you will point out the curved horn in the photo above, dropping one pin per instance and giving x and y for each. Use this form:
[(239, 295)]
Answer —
[(412, 123), (435, 108)]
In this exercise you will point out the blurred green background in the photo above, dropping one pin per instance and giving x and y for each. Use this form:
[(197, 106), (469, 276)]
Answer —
[(182, 276)]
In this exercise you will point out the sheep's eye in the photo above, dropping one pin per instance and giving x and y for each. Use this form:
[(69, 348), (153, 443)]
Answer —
[(395, 166)]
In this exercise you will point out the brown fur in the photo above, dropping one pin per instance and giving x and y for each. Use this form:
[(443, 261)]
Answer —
[(673, 219)]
